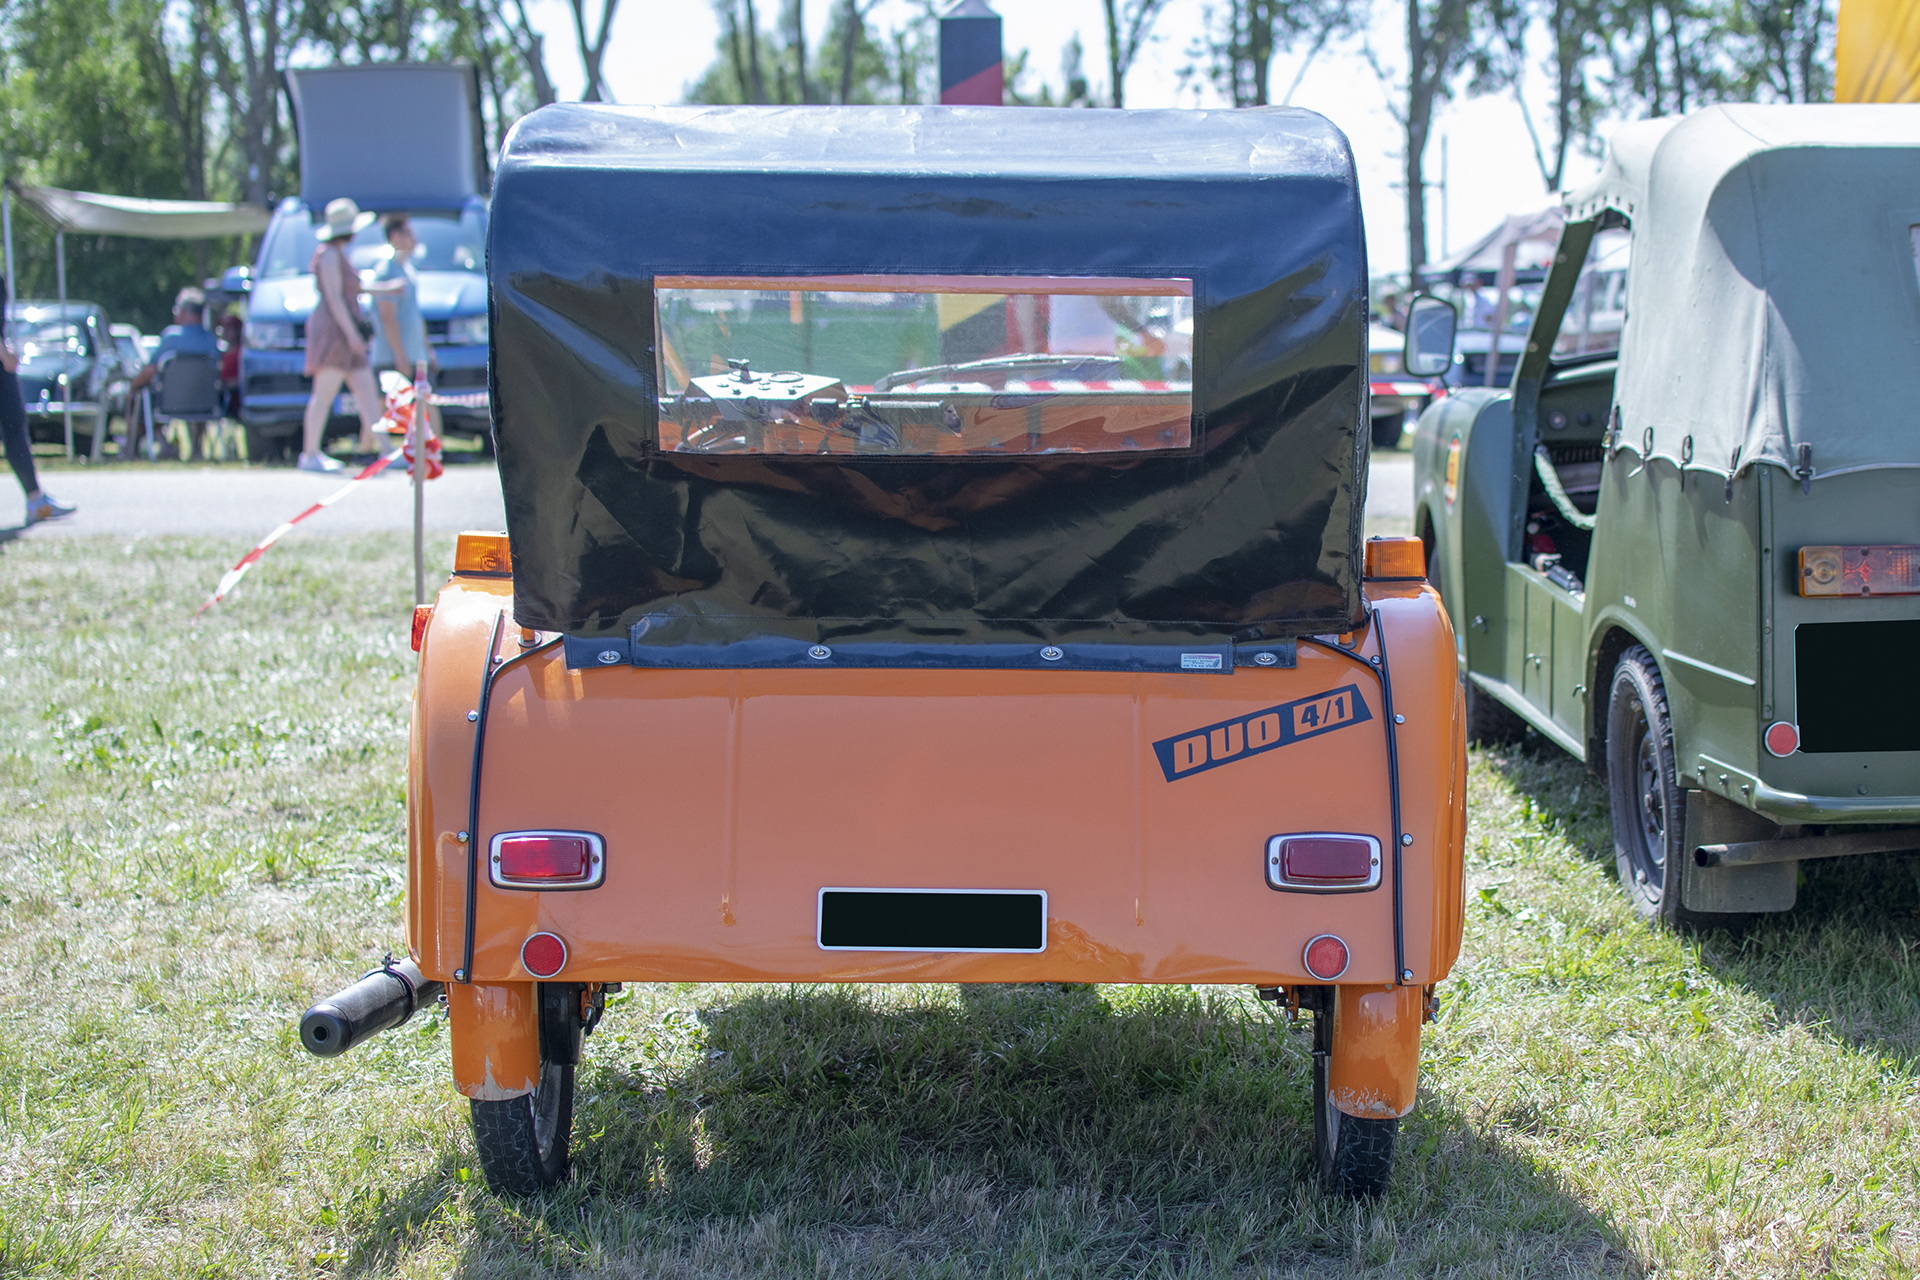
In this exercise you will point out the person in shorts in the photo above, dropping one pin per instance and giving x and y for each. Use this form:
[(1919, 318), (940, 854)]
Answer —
[(187, 335), (399, 331)]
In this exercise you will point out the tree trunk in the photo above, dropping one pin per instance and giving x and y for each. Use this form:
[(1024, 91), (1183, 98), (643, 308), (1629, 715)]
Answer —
[(1116, 73), (800, 49), (756, 86), (848, 43)]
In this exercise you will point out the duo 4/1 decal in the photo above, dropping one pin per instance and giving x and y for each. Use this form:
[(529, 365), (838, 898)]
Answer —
[(1210, 746)]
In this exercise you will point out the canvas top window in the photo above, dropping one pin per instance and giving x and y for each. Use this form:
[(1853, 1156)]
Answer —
[(924, 366)]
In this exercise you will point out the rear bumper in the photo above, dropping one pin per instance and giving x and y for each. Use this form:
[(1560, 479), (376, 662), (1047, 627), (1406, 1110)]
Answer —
[(1791, 808)]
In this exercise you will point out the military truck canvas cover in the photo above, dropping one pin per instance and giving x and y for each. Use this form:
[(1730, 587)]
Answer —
[(390, 135), (620, 236), (1774, 299)]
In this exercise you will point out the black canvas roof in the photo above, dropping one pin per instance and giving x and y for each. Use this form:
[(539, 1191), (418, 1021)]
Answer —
[(1253, 530)]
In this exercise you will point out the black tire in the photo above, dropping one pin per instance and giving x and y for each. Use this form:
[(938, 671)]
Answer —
[(1649, 805), (1388, 429), (1490, 721), (1354, 1157), (523, 1142)]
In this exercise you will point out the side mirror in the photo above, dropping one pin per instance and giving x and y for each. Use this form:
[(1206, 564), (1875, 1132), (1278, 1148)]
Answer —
[(236, 280), (1430, 326)]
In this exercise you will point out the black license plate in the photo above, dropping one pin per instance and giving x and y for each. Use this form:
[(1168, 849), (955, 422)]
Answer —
[(933, 920)]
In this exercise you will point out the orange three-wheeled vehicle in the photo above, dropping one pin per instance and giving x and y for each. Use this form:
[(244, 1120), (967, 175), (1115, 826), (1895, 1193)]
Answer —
[(933, 555)]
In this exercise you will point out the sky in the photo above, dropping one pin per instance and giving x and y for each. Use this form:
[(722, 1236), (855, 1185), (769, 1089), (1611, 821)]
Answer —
[(659, 47)]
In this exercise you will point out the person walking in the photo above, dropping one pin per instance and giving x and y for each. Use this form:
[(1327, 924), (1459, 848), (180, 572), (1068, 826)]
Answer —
[(400, 334), (13, 423), (336, 351)]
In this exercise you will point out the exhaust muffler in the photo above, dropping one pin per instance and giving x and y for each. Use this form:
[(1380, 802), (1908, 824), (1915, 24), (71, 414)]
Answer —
[(384, 998)]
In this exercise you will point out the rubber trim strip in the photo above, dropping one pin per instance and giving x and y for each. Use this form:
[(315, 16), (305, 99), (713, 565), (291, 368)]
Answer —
[(464, 975)]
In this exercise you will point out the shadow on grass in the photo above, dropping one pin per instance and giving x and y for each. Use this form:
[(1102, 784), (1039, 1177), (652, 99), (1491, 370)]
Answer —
[(1020, 1130), (1845, 962)]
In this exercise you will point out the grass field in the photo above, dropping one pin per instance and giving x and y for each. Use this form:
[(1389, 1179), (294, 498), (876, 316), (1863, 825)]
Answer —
[(201, 831)]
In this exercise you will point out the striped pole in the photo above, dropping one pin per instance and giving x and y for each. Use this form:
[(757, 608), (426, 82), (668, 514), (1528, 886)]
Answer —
[(971, 71)]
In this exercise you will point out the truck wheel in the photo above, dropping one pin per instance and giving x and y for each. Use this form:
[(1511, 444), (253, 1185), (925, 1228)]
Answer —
[(1489, 720), (1387, 430), (1354, 1156), (523, 1141), (1649, 807)]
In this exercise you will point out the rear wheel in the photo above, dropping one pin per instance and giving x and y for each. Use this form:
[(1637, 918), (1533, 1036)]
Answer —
[(1649, 806), (523, 1141), (1387, 430), (1354, 1156)]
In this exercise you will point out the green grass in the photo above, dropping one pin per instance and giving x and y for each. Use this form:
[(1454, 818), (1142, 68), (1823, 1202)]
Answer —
[(200, 830)]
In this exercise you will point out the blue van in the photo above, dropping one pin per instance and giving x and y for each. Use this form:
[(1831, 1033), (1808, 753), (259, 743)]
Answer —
[(396, 138)]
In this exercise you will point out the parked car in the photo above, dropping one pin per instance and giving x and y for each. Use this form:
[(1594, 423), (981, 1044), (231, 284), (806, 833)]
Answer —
[(1682, 561), (430, 165), (1395, 397), (68, 361), (794, 667)]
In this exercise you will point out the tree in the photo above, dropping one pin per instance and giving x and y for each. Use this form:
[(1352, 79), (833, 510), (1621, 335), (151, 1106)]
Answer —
[(1441, 40), (592, 51), (252, 39), (527, 44), (1129, 25), (1241, 40), (1790, 57), (1577, 36)]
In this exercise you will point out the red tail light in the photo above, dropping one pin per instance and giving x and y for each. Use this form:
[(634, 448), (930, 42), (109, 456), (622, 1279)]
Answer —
[(1323, 862), (547, 860), (1326, 957), (1883, 570), (422, 613), (543, 955)]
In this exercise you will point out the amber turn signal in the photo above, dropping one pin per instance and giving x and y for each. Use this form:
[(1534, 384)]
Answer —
[(1396, 558), (422, 613), (478, 552), (1886, 570)]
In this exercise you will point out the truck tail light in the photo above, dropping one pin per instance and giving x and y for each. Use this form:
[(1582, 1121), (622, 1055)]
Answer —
[(547, 860), (1323, 862), (1885, 570), (1326, 957), (422, 614), (543, 955)]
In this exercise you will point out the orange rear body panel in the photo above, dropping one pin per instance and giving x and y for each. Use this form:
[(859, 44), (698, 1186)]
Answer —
[(728, 799)]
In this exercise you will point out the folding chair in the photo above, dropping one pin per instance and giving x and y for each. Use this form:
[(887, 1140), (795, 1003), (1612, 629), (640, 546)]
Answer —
[(189, 386)]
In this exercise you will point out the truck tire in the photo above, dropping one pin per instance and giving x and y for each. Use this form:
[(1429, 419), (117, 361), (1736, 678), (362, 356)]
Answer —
[(1387, 430), (1649, 805), (523, 1142), (1354, 1157), (1490, 721)]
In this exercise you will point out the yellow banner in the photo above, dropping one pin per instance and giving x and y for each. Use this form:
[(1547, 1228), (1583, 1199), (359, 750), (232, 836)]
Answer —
[(1878, 52)]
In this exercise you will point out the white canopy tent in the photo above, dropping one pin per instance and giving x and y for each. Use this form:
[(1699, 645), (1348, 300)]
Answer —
[(90, 211)]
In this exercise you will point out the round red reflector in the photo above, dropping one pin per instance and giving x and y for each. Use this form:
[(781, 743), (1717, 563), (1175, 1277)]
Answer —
[(1782, 738), (545, 955), (1326, 957)]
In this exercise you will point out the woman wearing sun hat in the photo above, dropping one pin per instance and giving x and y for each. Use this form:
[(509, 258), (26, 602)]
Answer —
[(336, 352)]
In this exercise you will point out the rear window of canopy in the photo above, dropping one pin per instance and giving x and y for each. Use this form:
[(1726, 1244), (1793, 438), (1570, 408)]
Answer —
[(924, 365)]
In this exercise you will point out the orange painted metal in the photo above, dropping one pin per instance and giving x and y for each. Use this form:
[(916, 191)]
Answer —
[(1374, 1070), (728, 798), (496, 1039)]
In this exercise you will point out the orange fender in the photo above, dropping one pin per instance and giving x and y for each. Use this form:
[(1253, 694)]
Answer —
[(1375, 1068), (496, 1039)]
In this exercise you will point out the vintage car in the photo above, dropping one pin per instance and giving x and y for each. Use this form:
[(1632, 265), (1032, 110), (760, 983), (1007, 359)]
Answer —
[(68, 363), (1672, 559), (892, 593)]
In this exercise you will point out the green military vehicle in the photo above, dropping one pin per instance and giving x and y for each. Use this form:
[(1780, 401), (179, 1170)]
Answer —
[(1694, 561)]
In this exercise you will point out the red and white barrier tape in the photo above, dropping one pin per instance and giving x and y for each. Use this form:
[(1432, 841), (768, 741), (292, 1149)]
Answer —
[(231, 578)]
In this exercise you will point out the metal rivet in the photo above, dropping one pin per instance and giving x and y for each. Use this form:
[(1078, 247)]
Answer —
[(1265, 659), (1406, 839), (1375, 659), (496, 858), (1053, 653), (609, 656), (459, 975), (819, 653), (1399, 719), (472, 716), (459, 837), (1406, 975)]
